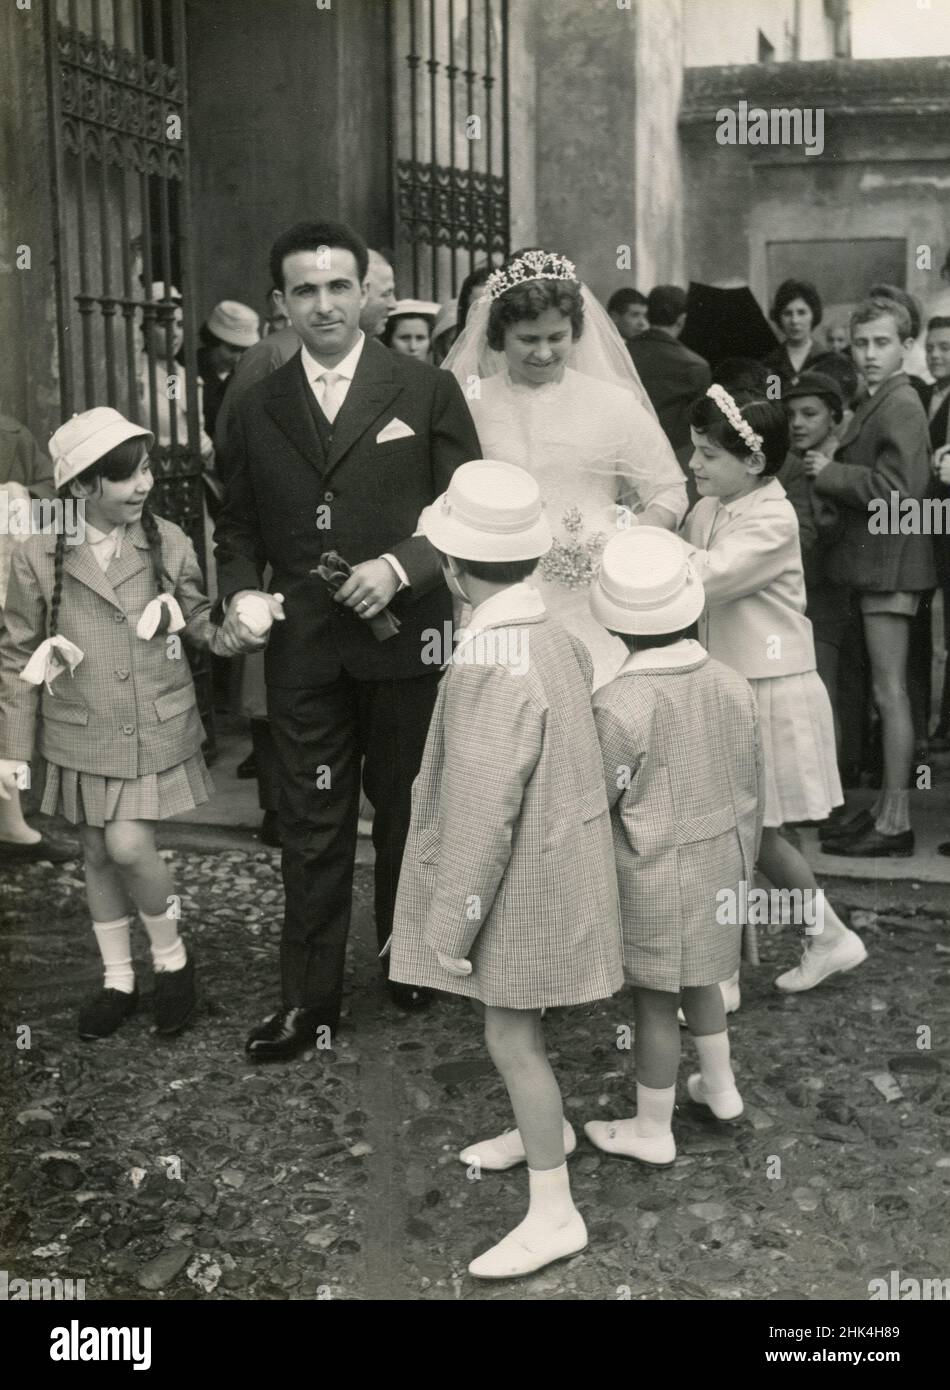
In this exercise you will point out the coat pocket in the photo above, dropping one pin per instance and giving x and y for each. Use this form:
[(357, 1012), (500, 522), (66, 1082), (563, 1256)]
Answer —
[(175, 702), (429, 845), (64, 711)]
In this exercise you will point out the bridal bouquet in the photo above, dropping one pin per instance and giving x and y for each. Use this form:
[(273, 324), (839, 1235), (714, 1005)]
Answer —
[(574, 561)]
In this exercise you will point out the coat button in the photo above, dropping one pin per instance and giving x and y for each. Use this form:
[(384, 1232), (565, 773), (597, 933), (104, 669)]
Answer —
[(122, 674), (328, 496), (128, 728), (118, 617)]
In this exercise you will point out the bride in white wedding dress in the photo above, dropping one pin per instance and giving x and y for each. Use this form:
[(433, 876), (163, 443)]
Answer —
[(552, 388)]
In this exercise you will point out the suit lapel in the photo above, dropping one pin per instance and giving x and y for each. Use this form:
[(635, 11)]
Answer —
[(868, 407), (288, 407), (80, 562), (131, 559), (372, 390)]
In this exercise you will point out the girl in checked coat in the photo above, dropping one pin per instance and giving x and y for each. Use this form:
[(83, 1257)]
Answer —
[(86, 667), (686, 815), (508, 889)]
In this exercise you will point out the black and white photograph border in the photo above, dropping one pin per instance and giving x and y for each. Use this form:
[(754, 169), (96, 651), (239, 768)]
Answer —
[(313, 876)]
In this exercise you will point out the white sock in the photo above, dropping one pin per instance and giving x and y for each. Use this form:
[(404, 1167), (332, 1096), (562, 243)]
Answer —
[(115, 948), (714, 1064), (168, 949), (551, 1202), (833, 929), (654, 1111), (893, 815)]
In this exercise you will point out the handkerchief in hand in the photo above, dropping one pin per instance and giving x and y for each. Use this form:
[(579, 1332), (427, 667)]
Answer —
[(154, 613), (396, 429), (51, 658)]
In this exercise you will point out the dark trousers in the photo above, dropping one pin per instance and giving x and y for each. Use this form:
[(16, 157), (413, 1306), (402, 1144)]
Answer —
[(265, 760), (320, 736)]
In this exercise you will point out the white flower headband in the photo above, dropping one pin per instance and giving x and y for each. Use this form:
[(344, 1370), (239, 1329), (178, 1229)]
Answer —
[(734, 415)]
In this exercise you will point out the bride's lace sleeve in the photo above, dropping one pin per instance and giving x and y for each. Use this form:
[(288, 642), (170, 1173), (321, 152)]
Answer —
[(649, 477)]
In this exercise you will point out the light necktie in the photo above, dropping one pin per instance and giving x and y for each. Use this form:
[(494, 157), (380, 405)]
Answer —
[(332, 396)]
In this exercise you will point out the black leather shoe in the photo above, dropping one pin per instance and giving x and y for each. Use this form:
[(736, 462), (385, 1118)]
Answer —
[(270, 831), (49, 849), (174, 1001), (944, 849), (409, 997), (284, 1035), (246, 770), (873, 845), (106, 1011), (832, 829)]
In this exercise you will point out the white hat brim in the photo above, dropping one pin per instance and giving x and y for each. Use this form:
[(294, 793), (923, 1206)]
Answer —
[(672, 616), (453, 537), (83, 456)]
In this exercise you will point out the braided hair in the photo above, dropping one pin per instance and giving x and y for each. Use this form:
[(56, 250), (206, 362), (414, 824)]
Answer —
[(115, 466)]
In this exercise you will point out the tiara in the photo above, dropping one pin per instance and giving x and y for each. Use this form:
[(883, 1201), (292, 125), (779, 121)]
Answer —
[(533, 265), (734, 415)]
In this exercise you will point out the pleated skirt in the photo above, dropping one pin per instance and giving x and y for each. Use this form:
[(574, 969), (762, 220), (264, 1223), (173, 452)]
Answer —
[(85, 798), (798, 743)]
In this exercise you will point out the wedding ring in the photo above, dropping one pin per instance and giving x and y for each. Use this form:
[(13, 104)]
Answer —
[(364, 604)]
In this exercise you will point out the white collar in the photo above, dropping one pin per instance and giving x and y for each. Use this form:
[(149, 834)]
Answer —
[(96, 537), (685, 652), (773, 488), (346, 368), (509, 606)]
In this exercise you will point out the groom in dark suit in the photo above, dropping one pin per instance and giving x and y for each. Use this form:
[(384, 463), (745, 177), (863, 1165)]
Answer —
[(339, 449)]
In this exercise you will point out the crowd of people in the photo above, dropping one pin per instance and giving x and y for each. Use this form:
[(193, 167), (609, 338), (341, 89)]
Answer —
[(492, 565)]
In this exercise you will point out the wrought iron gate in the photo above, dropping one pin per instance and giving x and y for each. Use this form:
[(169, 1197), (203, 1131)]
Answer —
[(451, 138), (117, 95)]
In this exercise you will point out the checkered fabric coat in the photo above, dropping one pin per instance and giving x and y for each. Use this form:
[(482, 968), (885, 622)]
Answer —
[(129, 708), (684, 779), (509, 859)]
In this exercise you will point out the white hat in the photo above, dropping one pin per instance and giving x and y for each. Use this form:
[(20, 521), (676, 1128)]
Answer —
[(646, 584), (234, 323), (415, 308), (88, 436), (491, 511), (157, 291)]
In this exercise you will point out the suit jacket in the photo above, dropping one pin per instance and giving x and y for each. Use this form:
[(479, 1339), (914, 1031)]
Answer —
[(687, 818), (289, 499), (255, 365), (509, 858), (884, 449), (129, 707), (22, 460), (748, 556), (673, 377), (939, 428)]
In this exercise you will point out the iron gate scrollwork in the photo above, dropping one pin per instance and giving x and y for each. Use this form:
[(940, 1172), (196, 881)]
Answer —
[(452, 134)]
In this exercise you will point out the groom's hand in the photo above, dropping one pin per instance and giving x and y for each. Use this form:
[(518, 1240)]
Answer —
[(369, 589), (234, 637)]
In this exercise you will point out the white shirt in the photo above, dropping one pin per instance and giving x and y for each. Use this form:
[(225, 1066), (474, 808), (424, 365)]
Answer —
[(105, 545), (345, 372)]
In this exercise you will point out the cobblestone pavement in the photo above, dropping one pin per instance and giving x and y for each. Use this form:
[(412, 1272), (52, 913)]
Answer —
[(179, 1171)]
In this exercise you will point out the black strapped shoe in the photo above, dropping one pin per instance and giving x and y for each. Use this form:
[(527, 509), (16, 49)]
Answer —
[(175, 1000), (285, 1035), (106, 1011)]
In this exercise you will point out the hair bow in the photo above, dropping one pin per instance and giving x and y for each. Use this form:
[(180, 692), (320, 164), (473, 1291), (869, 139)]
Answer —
[(51, 658), (162, 614)]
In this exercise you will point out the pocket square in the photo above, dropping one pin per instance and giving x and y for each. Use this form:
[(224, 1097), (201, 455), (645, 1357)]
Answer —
[(396, 429)]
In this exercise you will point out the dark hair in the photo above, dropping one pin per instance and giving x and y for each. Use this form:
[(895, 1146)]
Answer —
[(665, 303), (820, 385), (311, 236), (621, 300), (529, 301), (470, 284), (115, 466), (870, 309), (386, 336), (643, 641), (767, 418), (900, 296), (743, 374), (498, 571), (941, 321), (796, 289)]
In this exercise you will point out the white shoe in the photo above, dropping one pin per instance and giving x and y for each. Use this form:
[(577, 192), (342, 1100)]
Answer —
[(620, 1137), (725, 1105), (507, 1150), (731, 999), (817, 963), (524, 1251)]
